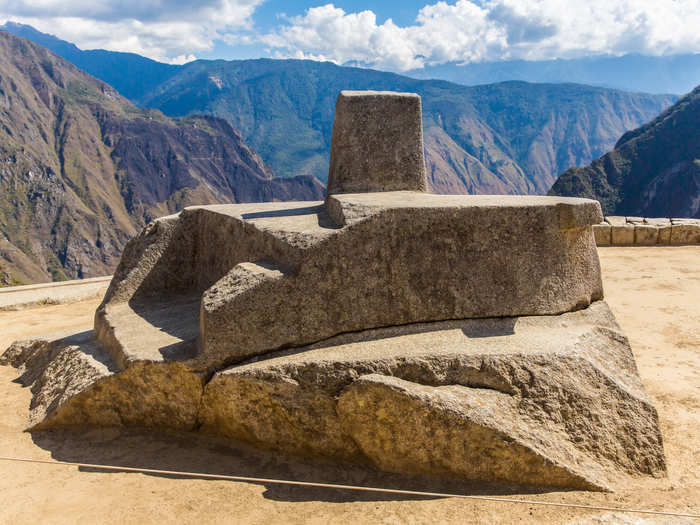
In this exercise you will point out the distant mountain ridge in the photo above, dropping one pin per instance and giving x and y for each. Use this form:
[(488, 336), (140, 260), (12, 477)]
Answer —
[(130, 74), (677, 74), (653, 171), (511, 137), (82, 169), (672, 74)]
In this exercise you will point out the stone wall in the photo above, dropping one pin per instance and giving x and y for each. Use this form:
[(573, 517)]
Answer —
[(627, 231)]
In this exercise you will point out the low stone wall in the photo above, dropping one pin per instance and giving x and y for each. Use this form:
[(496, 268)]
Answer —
[(61, 292), (627, 231)]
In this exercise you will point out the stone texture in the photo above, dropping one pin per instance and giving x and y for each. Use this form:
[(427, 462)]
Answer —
[(450, 335), (646, 231), (664, 228), (685, 233), (623, 234), (549, 400), (614, 220), (603, 234), (376, 271), (377, 143), (655, 221), (76, 383), (665, 234), (645, 234), (544, 400)]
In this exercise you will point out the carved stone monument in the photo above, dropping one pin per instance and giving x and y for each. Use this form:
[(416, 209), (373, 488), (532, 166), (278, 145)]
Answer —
[(377, 143), (438, 334)]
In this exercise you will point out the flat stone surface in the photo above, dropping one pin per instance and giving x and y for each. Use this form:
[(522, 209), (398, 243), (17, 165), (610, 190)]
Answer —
[(377, 143), (646, 234), (571, 212), (293, 222), (151, 331), (635, 220), (615, 220), (603, 234), (657, 221), (665, 234), (623, 234), (685, 233)]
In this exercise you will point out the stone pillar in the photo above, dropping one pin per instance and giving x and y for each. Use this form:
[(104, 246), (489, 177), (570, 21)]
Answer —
[(377, 143)]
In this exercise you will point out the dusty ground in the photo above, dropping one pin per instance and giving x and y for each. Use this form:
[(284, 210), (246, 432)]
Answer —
[(655, 293)]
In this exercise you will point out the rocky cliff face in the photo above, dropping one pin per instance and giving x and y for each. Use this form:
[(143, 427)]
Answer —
[(653, 171), (82, 169)]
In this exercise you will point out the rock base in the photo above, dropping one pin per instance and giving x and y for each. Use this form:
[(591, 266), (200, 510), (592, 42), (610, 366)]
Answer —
[(546, 400)]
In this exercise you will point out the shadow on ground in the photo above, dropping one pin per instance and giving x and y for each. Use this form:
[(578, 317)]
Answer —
[(187, 452)]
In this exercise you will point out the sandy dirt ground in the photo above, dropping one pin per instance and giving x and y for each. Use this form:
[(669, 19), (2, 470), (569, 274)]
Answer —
[(654, 292)]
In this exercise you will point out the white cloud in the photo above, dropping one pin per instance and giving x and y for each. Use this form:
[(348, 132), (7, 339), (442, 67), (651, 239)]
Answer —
[(475, 30), (458, 30), (167, 30)]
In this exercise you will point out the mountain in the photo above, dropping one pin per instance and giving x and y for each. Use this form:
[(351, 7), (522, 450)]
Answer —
[(82, 169), (633, 72), (651, 74), (653, 171), (511, 137), (130, 74)]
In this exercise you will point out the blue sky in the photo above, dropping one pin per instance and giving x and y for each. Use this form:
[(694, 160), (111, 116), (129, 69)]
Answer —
[(391, 35), (269, 14), (403, 13)]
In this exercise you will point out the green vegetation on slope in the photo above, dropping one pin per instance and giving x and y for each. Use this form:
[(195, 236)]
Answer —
[(653, 171)]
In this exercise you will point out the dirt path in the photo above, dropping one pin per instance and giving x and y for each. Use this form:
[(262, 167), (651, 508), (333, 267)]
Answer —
[(654, 292)]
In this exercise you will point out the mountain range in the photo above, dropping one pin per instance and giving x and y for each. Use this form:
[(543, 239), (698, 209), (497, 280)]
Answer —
[(506, 138), (676, 74), (653, 171), (130, 74), (82, 169), (511, 137), (634, 72)]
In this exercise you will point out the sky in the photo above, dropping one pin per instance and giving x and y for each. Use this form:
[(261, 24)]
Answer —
[(394, 35)]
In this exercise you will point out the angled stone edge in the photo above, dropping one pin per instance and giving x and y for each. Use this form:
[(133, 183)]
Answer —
[(75, 382)]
